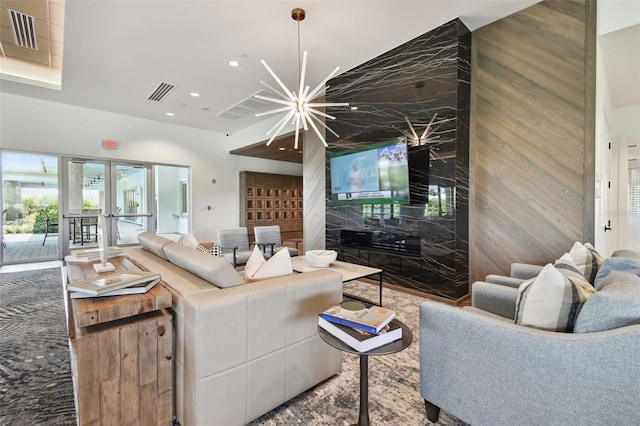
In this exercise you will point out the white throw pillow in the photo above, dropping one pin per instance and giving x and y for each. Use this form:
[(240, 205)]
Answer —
[(257, 268), (552, 300), (190, 240)]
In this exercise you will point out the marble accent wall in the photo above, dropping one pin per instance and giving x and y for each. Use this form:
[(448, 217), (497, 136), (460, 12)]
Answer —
[(426, 82)]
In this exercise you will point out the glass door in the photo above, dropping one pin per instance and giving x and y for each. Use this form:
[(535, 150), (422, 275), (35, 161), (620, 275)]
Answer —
[(132, 201), (119, 191)]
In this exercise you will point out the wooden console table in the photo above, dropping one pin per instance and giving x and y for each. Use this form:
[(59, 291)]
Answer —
[(121, 353)]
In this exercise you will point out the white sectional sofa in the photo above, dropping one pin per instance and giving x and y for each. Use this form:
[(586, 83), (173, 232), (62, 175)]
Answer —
[(241, 349)]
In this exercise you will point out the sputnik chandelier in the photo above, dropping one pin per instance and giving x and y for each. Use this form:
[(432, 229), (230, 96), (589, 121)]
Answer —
[(298, 107)]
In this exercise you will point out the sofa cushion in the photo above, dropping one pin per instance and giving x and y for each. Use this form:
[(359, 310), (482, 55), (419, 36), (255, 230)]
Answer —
[(613, 264), (257, 268), (153, 243), (626, 253), (211, 268), (552, 300), (616, 304), (214, 250), (587, 259)]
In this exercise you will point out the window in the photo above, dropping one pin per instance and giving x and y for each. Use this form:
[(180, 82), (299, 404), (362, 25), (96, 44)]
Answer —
[(184, 198)]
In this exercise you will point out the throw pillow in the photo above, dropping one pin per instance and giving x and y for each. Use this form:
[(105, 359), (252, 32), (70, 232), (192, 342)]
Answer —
[(587, 259), (612, 264), (257, 268), (190, 240), (552, 300), (615, 305), (215, 249), (568, 267)]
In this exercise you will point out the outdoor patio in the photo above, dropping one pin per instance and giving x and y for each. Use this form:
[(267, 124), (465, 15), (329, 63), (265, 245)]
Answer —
[(29, 247)]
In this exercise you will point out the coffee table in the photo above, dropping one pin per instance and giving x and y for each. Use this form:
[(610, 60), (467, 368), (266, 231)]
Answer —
[(389, 348), (349, 272)]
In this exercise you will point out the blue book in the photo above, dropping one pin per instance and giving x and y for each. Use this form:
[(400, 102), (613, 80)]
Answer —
[(357, 316)]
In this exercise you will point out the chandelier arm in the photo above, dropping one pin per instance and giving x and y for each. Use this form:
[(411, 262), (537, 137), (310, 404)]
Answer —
[(325, 126), (318, 133), (305, 117), (273, 111), (318, 112), (283, 119), (282, 123), (302, 73), (275, 77), (331, 104), (276, 91), (295, 144), (274, 100), (321, 85)]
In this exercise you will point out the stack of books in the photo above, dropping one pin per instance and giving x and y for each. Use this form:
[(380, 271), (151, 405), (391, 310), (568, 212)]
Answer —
[(129, 282), (362, 328), (93, 254)]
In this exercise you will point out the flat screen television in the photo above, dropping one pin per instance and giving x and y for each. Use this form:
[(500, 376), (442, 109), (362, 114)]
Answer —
[(375, 174)]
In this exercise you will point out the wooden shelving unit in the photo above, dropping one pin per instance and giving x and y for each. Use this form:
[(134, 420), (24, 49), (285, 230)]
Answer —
[(271, 199)]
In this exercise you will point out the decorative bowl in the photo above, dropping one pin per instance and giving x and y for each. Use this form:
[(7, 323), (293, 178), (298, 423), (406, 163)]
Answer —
[(321, 258)]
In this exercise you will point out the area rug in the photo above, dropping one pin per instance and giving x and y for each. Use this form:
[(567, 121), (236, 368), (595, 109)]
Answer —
[(394, 380), (35, 371)]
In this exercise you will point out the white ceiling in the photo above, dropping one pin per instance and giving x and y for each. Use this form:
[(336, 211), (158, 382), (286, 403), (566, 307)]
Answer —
[(117, 52)]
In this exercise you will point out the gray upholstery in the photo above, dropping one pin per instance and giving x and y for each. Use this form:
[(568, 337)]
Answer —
[(495, 298), (478, 365), (525, 271), (214, 269), (242, 351), (153, 243), (271, 235), (501, 279), (490, 371), (235, 245), (616, 304)]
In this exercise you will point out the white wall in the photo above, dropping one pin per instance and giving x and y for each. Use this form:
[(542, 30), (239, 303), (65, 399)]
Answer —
[(32, 125)]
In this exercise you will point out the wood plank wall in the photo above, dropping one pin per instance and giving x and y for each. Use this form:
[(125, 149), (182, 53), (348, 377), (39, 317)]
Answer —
[(532, 136)]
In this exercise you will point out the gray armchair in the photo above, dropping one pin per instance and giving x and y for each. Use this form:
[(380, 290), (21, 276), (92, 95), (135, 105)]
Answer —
[(234, 243), (269, 236), (478, 365)]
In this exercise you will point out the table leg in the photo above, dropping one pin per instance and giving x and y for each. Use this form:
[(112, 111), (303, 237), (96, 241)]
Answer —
[(363, 417), (380, 282)]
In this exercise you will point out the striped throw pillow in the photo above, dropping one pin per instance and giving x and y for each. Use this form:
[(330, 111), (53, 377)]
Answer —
[(568, 267), (552, 300), (587, 260)]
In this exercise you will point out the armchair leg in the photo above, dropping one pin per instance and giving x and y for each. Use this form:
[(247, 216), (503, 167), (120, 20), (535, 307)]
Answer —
[(433, 411)]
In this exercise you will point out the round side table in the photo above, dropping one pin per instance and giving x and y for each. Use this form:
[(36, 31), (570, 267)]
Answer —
[(389, 348)]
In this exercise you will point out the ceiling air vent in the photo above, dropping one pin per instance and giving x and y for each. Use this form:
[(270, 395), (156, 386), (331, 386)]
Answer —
[(161, 91), (24, 29)]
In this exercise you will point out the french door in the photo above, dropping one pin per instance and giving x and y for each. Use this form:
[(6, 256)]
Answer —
[(93, 190)]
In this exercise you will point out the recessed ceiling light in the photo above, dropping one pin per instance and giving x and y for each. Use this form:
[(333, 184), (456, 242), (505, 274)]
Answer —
[(281, 148), (234, 63), (353, 108), (194, 94), (170, 114)]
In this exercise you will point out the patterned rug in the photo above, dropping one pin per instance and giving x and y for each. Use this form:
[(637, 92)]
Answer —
[(394, 380), (35, 372)]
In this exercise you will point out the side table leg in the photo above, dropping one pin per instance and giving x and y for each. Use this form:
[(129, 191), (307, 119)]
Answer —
[(363, 418)]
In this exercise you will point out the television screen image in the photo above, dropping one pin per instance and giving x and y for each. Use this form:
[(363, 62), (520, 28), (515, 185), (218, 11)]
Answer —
[(376, 174)]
